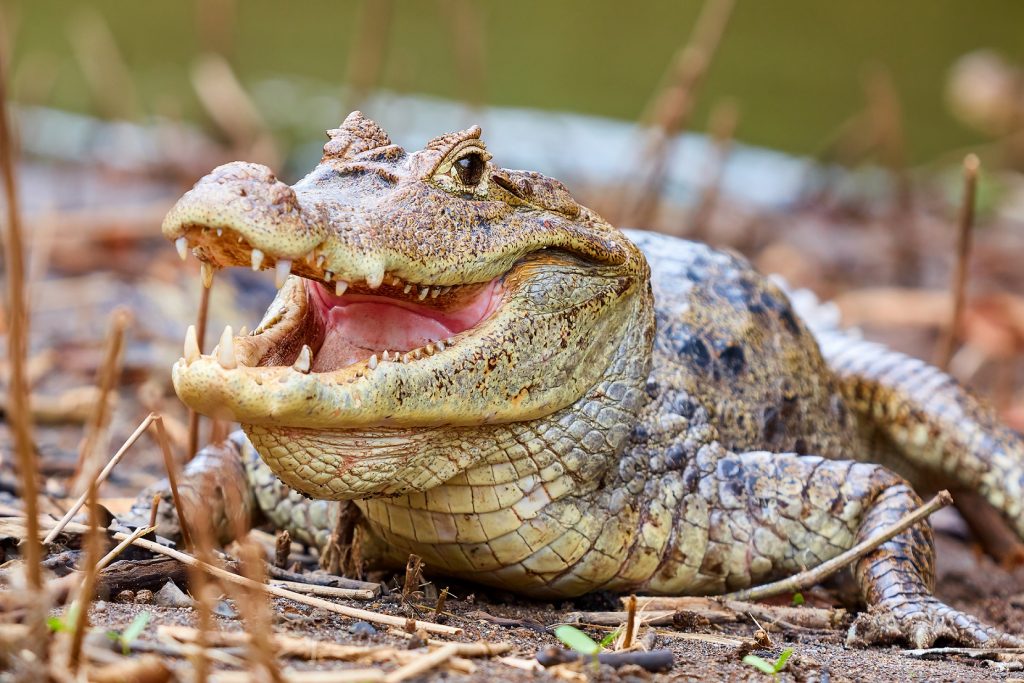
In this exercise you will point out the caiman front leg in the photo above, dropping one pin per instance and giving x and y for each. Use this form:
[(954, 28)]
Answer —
[(799, 511)]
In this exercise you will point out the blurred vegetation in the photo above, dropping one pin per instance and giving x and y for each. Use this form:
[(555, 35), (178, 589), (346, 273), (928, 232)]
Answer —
[(797, 67)]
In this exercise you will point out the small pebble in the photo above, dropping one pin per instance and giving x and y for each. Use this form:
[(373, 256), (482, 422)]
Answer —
[(362, 629), (144, 597), (224, 609), (99, 607), (125, 596), (172, 596)]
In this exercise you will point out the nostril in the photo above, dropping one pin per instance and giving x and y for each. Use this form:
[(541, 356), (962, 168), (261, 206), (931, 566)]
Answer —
[(510, 187)]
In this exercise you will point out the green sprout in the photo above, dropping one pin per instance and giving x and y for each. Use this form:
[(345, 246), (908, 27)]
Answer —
[(65, 622), (798, 599), (134, 630), (610, 638), (770, 668), (577, 640)]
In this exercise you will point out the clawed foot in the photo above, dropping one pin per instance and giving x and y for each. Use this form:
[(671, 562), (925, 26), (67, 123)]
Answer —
[(920, 622)]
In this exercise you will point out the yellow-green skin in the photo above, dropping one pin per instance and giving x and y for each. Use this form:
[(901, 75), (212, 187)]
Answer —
[(640, 413)]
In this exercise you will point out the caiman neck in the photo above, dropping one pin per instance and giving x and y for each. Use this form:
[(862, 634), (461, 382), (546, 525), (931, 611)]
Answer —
[(533, 487)]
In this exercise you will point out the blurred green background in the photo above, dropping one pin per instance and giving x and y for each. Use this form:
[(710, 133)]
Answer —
[(796, 67)]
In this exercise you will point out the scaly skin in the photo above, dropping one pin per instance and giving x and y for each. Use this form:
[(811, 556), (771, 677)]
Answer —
[(641, 414)]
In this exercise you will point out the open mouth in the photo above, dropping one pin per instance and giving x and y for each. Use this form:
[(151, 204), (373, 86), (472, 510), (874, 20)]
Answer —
[(393, 324)]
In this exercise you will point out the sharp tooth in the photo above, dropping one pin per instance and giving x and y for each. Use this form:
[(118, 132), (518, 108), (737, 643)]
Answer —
[(328, 276), (257, 259), (384, 356), (220, 232), (191, 345), (320, 261), (446, 290), (440, 345), (395, 281), (243, 331), (407, 289), (206, 270), (376, 277), (305, 359), (240, 239), (311, 257), (226, 350), (434, 292), (181, 244), (372, 363), (429, 349), (282, 269), (405, 359), (423, 293), (417, 354), (339, 287)]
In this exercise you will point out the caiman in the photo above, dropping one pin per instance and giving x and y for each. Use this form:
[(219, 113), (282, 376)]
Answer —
[(527, 397)]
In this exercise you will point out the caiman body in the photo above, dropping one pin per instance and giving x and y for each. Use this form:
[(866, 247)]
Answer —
[(527, 397)]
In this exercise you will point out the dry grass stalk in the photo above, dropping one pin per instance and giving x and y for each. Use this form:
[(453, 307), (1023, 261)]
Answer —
[(466, 24), (119, 548), (93, 545), (673, 108), (444, 653), (282, 548), (193, 416), (630, 630), (18, 415), (171, 466), (327, 591), (202, 587), (100, 478), (810, 577), (724, 118), (963, 252), (439, 607), (256, 610), (413, 575), (344, 676), (224, 575), (106, 71), (369, 46), (106, 377), (154, 509)]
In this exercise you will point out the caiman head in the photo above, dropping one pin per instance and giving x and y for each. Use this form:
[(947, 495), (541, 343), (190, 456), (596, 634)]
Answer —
[(424, 298)]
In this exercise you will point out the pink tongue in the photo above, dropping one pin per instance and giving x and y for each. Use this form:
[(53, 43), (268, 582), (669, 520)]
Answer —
[(359, 329)]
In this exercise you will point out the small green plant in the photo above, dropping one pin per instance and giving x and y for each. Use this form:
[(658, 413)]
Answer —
[(134, 630), (770, 668), (798, 599), (64, 622), (610, 638), (577, 640)]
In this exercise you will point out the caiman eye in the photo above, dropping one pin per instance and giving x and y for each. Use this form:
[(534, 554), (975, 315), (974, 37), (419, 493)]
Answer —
[(471, 168)]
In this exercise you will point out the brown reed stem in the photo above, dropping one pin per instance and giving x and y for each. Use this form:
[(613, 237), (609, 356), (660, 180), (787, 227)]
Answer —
[(18, 409), (193, 416), (106, 377), (958, 285), (172, 478), (92, 561)]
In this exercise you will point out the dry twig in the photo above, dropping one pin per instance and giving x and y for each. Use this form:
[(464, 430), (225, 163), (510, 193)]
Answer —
[(806, 579), (963, 253)]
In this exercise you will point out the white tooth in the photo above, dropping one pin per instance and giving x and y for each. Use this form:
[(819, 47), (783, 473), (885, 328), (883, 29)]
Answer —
[(206, 270), (240, 239), (434, 292), (282, 270), (243, 331), (320, 261), (417, 354), (440, 345), (257, 259), (429, 348), (376, 277), (220, 232), (226, 350), (311, 257), (446, 290), (181, 244), (339, 287), (372, 363), (384, 356), (305, 359), (395, 282), (423, 292), (405, 359), (328, 276), (191, 345), (407, 289)]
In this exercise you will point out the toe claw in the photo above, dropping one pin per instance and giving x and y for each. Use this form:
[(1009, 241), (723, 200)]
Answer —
[(920, 623)]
